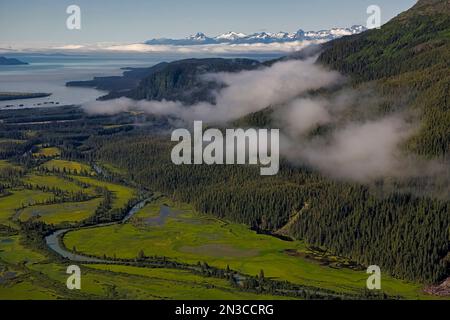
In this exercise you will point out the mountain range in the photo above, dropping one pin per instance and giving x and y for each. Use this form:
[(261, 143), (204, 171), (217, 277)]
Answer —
[(260, 37)]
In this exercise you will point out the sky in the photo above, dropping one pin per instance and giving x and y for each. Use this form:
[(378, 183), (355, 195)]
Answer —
[(43, 22)]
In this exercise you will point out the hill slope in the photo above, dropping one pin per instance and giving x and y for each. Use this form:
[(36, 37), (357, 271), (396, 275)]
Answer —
[(409, 53), (405, 234), (181, 80), (178, 80)]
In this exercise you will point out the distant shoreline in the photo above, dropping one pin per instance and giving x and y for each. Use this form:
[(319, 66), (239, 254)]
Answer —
[(11, 62), (6, 96)]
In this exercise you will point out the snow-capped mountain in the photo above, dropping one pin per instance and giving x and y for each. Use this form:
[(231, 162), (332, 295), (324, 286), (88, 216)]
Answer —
[(196, 39), (199, 37), (232, 37)]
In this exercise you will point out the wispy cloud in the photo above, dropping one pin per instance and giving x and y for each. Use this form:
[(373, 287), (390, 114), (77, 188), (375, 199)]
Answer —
[(243, 93), (255, 48), (216, 48), (70, 47), (361, 148)]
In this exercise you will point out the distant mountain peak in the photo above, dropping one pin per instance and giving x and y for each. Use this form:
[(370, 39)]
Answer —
[(198, 36), (233, 37)]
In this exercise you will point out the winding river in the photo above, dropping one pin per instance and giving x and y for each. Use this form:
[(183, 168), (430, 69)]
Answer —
[(53, 241)]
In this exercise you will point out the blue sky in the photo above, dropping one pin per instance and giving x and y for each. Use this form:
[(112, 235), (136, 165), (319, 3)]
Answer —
[(42, 22)]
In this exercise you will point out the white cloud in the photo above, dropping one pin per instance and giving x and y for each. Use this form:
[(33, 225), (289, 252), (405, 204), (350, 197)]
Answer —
[(255, 48), (216, 48), (360, 150), (302, 115), (245, 92), (70, 47)]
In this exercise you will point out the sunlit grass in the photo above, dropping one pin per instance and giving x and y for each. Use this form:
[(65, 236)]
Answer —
[(191, 237)]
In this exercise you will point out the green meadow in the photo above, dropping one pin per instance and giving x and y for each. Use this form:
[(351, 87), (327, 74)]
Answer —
[(7, 164), (69, 166), (122, 194), (16, 259), (27, 289), (68, 212), (162, 228), (13, 252), (52, 181), (125, 282), (47, 152), (190, 237), (43, 279), (17, 199)]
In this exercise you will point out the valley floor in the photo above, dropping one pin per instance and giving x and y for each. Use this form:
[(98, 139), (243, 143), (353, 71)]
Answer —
[(166, 250)]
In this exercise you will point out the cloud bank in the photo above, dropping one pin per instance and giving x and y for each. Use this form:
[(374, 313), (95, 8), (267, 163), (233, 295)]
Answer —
[(244, 93), (357, 151), (224, 48), (209, 49), (362, 148)]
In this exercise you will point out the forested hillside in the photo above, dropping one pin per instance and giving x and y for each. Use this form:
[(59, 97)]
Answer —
[(410, 54), (181, 80), (178, 80), (404, 233)]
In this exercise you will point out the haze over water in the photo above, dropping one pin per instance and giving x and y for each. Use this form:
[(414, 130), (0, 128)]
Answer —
[(49, 74)]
